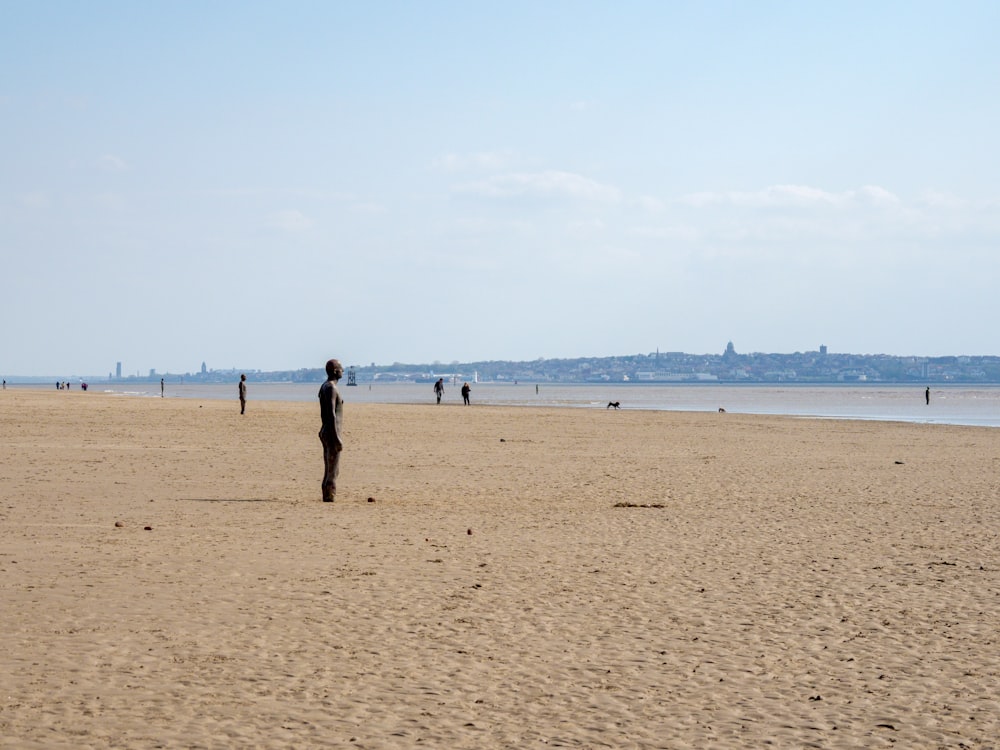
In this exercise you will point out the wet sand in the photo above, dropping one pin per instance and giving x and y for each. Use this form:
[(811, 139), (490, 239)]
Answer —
[(492, 577)]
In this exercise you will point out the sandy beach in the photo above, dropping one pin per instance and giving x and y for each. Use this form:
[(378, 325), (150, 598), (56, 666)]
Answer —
[(492, 577)]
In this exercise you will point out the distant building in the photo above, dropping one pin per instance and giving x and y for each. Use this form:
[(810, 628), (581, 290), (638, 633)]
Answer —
[(204, 369), (118, 371), (822, 349)]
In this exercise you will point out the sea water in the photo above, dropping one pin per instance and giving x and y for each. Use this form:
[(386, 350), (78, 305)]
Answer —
[(949, 404)]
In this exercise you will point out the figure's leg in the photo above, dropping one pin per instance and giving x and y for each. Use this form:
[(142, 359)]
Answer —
[(334, 472), (329, 485)]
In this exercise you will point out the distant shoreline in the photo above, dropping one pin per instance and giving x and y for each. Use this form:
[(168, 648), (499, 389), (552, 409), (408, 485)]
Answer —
[(97, 384), (977, 406), (730, 368)]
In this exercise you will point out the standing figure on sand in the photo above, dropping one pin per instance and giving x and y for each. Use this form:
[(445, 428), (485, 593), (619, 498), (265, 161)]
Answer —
[(243, 394), (927, 395), (331, 408), (439, 389), (466, 390)]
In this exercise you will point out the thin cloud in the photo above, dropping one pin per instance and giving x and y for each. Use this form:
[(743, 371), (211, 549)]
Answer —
[(876, 196), (369, 208), (934, 199), (289, 220), (793, 196), (548, 184), (586, 228), (651, 204), (112, 163), (480, 160), (670, 233)]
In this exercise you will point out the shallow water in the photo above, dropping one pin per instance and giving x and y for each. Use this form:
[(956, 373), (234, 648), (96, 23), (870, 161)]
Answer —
[(949, 404)]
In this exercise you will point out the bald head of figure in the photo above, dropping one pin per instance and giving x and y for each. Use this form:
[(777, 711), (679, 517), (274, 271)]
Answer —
[(334, 370)]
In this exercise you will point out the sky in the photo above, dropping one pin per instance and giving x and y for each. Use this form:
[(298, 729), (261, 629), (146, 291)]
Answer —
[(261, 185)]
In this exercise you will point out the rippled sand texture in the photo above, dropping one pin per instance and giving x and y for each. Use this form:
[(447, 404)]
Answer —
[(524, 578)]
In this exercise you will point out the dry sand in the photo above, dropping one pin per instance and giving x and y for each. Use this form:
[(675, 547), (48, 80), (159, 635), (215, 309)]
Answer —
[(524, 578)]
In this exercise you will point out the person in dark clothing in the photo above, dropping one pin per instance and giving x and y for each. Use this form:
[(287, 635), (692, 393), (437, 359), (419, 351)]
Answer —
[(439, 389), (466, 390)]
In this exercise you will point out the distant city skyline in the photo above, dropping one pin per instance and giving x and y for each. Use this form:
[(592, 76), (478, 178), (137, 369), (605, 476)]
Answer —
[(278, 184), (810, 365)]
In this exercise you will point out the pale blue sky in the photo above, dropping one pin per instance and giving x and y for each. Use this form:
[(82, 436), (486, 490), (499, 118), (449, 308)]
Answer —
[(267, 185)]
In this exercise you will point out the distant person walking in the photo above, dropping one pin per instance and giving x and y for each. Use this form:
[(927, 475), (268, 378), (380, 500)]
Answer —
[(466, 390), (927, 395), (243, 394), (439, 389), (161, 387), (331, 408)]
